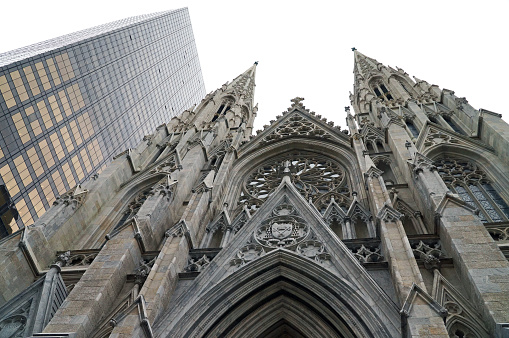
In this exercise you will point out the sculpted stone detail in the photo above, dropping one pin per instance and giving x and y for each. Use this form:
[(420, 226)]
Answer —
[(389, 214), (315, 177), (373, 138), (142, 271), (81, 259), (436, 137), (499, 233), (169, 165), (430, 254), (196, 265), (463, 318), (74, 197), (239, 222), (63, 259), (13, 326), (420, 163), (164, 187), (133, 207), (368, 254), (296, 126), (366, 68), (148, 138), (178, 230), (460, 101), (284, 229), (247, 254)]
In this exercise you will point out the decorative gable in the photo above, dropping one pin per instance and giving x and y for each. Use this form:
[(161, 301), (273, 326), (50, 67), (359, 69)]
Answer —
[(284, 231), (434, 136), (298, 122)]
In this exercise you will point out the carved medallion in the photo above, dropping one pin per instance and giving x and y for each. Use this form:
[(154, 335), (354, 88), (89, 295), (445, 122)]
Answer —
[(285, 229), (281, 230)]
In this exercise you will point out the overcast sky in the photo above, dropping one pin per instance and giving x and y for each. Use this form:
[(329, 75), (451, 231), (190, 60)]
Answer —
[(304, 48)]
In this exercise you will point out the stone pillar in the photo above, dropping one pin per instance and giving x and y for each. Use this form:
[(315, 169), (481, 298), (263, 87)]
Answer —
[(159, 285), (422, 320), (226, 237), (348, 232), (98, 287)]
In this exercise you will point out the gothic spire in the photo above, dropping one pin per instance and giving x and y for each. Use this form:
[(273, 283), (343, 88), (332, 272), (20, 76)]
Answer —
[(364, 66), (243, 85)]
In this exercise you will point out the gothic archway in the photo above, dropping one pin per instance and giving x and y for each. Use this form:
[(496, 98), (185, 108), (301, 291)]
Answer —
[(284, 291)]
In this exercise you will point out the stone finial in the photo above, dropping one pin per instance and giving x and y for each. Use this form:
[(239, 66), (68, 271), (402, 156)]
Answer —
[(297, 102), (63, 259), (141, 272)]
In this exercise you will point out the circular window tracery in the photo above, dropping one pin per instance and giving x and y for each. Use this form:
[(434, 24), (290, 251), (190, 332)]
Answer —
[(315, 176)]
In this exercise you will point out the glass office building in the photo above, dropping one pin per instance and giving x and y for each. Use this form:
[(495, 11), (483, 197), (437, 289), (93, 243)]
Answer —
[(69, 104)]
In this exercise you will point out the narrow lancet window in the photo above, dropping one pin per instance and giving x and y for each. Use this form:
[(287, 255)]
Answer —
[(467, 180)]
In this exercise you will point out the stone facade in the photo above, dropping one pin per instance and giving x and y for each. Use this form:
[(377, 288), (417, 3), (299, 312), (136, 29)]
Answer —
[(394, 227)]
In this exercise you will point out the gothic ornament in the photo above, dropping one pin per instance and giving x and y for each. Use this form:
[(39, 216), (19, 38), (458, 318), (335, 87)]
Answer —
[(436, 137), (282, 231), (196, 265), (473, 186), (313, 175), (247, 254), (141, 272), (74, 197), (296, 125), (368, 254), (389, 214), (430, 254), (13, 326)]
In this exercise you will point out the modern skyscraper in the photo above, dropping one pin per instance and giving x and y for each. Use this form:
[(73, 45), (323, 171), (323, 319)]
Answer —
[(396, 227), (71, 103)]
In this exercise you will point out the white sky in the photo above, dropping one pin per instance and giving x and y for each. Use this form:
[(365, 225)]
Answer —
[(304, 48)]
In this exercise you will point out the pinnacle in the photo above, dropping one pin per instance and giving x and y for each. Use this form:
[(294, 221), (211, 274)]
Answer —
[(244, 84)]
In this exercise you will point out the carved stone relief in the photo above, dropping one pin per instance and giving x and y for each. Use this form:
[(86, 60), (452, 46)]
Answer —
[(429, 253), (435, 137), (296, 126), (284, 228)]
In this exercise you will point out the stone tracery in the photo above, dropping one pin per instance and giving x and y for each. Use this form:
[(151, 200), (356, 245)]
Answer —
[(473, 186), (296, 126), (315, 176)]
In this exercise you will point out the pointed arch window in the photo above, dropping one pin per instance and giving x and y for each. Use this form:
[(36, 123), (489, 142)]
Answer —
[(473, 186), (382, 92), (133, 207)]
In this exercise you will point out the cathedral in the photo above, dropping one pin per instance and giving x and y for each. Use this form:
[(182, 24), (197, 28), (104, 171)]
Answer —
[(397, 226)]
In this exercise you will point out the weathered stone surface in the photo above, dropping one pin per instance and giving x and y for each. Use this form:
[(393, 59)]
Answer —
[(390, 228)]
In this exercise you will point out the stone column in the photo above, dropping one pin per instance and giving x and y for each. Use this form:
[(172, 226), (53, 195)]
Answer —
[(159, 285), (98, 287), (422, 319)]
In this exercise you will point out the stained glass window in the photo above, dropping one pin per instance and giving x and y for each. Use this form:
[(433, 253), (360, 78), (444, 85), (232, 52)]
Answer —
[(473, 186)]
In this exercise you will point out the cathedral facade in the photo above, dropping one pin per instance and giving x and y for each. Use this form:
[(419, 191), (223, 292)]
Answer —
[(395, 227)]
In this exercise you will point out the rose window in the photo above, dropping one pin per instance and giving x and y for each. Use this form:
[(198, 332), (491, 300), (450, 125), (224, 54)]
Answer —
[(315, 176)]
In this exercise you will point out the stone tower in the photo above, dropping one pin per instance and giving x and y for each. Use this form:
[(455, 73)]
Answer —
[(391, 228)]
